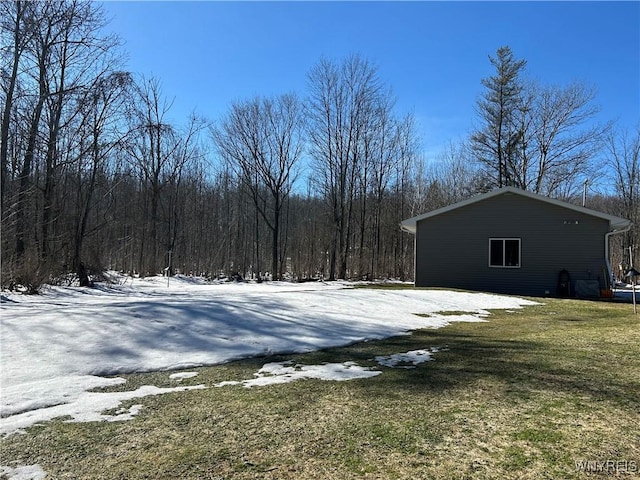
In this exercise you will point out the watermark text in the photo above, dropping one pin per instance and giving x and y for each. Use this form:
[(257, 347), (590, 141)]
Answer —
[(612, 467)]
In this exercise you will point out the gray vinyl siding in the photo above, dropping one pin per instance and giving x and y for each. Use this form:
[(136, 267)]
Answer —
[(452, 249)]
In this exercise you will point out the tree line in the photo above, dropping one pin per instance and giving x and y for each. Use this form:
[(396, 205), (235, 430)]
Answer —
[(301, 186)]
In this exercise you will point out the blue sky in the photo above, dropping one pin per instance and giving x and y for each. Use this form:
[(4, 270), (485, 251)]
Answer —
[(432, 54)]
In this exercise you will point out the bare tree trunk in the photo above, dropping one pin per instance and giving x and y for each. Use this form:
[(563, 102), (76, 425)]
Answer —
[(261, 140), (21, 205), (19, 42)]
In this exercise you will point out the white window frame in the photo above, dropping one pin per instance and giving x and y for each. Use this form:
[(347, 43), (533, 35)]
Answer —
[(503, 240)]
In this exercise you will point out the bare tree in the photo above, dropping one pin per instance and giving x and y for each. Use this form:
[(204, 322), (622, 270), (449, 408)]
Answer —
[(261, 138), (15, 37), (562, 138), (623, 154), (393, 145), (158, 151), (342, 100), (102, 112), (80, 58), (57, 49), (45, 20)]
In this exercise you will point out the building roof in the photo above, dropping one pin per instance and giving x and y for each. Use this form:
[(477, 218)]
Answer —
[(615, 223)]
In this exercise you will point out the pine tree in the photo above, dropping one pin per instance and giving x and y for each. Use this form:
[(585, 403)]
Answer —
[(496, 142)]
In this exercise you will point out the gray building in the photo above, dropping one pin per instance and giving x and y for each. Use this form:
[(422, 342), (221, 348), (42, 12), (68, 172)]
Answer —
[(517, 242)]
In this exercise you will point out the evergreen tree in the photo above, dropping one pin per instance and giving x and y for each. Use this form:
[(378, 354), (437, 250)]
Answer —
[(497, 141)]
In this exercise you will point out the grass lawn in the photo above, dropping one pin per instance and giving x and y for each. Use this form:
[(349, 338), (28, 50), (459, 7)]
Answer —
[(530, 394)]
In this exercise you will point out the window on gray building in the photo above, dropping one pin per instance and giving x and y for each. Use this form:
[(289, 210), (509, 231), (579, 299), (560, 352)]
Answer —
[(504, 252)]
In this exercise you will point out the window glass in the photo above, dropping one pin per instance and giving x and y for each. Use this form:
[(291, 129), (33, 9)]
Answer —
[(497, 250), (512, 253), (504, 252)]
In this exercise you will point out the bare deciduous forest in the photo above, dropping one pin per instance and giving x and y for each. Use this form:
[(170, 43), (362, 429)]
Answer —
[(303, 185)]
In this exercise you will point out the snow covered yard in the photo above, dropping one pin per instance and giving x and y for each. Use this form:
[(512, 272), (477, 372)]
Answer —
[(533, 392), (57, 346)]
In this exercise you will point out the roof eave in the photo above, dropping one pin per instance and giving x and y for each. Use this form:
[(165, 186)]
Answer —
[(409, 228), (615, 223), (620, 226)]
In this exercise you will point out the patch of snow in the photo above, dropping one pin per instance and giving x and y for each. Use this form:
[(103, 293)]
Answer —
[(38, 394), (479, 316), (287, 371), (57, 345), (124, 414), (182, 375), (87, 407), (407, 359), (24, 472)]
